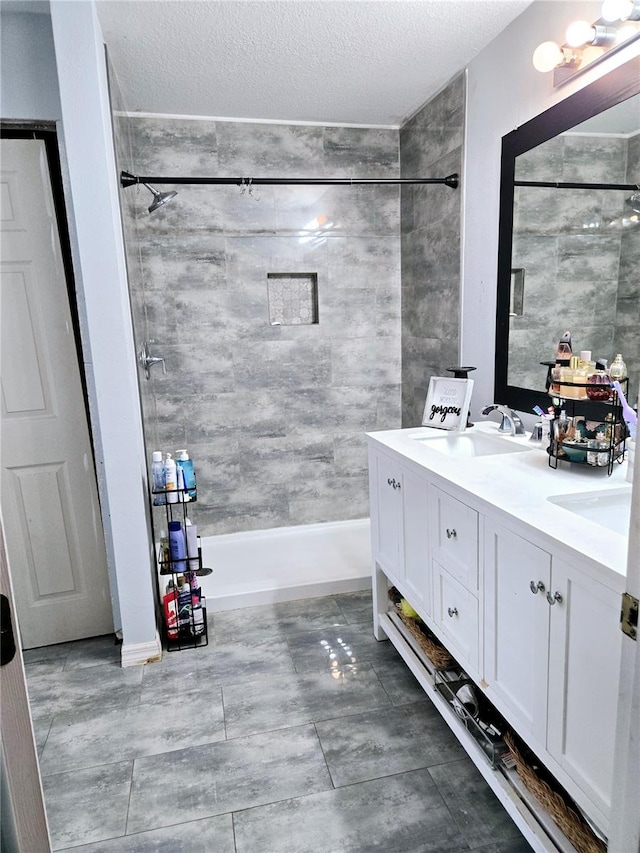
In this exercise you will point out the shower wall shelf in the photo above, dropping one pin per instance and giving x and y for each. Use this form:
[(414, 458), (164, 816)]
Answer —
[(190, 631)]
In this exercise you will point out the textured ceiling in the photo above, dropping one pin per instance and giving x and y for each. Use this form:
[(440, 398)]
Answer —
[(343, 61)]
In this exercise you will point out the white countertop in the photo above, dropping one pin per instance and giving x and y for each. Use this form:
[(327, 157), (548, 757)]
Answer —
[(519, 485)]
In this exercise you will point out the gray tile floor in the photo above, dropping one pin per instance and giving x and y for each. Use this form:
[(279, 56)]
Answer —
[(293, 731)]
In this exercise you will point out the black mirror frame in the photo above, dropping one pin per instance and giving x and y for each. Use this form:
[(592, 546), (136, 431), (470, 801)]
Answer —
[(616, 86)]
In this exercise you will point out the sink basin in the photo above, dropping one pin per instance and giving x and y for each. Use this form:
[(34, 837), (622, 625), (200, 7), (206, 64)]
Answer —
[(611, 510), (467, 445)]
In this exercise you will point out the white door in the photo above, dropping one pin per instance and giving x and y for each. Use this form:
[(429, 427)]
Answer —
[(53, 529), (23, 822)]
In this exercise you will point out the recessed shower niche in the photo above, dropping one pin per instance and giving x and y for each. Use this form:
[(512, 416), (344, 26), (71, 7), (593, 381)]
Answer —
[(292, 298)]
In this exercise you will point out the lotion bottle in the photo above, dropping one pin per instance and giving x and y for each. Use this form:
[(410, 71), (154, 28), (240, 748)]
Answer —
[(171, 479), (158, 480)]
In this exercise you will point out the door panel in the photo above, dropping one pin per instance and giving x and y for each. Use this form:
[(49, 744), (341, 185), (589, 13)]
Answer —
[(49, 494), (517, 627)]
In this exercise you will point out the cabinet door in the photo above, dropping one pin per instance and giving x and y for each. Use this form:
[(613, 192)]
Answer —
[(584, 663), (455, 537), (516, 628), (417, 577), (456, 615), (386, 518)]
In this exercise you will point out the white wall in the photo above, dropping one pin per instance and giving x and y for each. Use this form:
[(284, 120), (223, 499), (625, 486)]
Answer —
[(504, 91), (28, 77), (103, 301)]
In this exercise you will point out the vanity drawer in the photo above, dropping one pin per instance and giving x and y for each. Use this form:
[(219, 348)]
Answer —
[(455, 537), (456, 613)]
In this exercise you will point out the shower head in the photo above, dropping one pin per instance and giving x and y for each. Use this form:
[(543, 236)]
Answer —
[(634, 201), (159, 198)]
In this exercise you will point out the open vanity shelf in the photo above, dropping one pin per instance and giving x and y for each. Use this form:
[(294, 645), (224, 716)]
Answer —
[(489, 753)]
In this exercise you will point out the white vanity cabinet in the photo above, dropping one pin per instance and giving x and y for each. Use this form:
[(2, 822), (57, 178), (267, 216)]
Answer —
[(532, 620), (400, 531)]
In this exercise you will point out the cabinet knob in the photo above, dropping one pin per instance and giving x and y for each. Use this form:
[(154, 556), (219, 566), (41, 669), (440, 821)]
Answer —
[(390, 482), (536, 587), (452, 611), (555, 597), (451, 533)]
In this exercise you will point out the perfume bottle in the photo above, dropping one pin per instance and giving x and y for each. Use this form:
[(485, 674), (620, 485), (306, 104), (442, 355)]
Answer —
[(618, 369)]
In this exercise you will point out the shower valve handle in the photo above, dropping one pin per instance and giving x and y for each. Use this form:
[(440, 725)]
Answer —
[(146, 360)]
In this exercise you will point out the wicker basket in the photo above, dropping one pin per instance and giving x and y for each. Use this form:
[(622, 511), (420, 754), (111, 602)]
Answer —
[(437, 654), (570, 822)]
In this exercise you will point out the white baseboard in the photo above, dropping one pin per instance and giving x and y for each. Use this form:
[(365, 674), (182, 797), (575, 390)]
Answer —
[(136, 654)]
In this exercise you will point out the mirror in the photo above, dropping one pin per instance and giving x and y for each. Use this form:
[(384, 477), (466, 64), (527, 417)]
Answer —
[(568, 255)]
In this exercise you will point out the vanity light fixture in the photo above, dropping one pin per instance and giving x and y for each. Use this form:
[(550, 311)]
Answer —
[(587, 43)]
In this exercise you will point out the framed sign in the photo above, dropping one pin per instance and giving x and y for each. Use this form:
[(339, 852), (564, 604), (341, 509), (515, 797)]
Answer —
[(447, 403)]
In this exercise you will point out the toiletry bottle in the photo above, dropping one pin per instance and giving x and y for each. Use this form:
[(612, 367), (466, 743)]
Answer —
[(177, 547), (598, 385), (580, 375), (192, 545), (184, 601), (170, 608), (561, 427), (182, 495), (171, 479), (618, 369), (564, 349), (158, 480), (184, 462), (164, 549)]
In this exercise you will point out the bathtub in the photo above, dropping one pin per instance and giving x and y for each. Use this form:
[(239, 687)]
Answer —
[(285, 563)]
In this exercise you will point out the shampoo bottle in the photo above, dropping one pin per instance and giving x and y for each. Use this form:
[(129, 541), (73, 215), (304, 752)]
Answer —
[(188, 472), (177, 547), (171, 479), (158, 480)]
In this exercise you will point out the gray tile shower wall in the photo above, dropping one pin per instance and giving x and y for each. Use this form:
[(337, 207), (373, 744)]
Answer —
[(274, 416), (430, 146), (578, 269), (626, 339)]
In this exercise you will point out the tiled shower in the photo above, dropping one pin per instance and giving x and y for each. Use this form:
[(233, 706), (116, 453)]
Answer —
[(273, 406)]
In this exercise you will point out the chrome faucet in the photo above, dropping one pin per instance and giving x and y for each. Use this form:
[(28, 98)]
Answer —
[(510, 423)]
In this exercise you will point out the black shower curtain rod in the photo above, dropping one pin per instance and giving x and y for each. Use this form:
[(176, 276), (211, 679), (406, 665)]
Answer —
[(566, 185), (128, 180)]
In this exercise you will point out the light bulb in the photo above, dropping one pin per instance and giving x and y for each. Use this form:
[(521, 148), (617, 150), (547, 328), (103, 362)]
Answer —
[(546, 56), (616, 10), (579, 33)]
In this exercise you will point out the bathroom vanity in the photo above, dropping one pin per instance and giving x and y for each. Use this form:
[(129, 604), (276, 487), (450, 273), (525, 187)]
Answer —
[(518, 570)]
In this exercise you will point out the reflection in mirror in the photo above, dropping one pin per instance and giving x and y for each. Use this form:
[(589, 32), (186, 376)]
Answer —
[(579, 248), (570, 252)]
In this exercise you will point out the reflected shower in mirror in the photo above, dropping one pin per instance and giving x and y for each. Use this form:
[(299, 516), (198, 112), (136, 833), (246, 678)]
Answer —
[(570, 251)]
